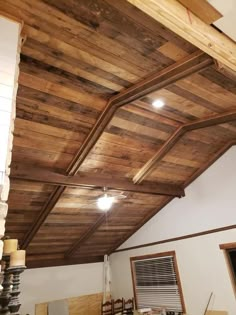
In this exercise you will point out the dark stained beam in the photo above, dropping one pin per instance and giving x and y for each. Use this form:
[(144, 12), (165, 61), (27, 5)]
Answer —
[(40, 263), (49, 205), (169, 144), (85, 180), (85, 236), (181, 69), (201, 170)]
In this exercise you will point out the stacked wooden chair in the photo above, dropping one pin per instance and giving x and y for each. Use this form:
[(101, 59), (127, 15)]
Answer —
[(119, 306), (129, 306), (107, 308)]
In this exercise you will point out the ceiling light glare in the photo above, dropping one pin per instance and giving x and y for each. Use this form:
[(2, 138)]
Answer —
[(104, 203), (158, 103)]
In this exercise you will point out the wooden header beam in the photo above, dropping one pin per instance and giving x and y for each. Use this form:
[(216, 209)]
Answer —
[(203, 9), (40, 263), (85, 180), (169, 144), (173, 15)]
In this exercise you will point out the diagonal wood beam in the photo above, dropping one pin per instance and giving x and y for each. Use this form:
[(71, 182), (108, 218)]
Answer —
[(90, 180), (215, 157), (181, 69), (173, 15), (170, 143), (47, 208), (77, 244)]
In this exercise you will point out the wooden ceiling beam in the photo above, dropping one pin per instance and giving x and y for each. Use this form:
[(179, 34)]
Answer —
[(181, 69), (40, 263), (170, 143), (203, 9), (47, 208), (84, 180), (85, 236), (173, 15)]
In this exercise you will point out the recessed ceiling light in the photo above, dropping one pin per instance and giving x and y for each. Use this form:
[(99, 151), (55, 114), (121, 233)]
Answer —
[(158, 103)]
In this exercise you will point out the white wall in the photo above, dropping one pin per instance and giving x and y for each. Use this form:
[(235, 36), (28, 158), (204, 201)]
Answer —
[(54, 283), (210, 203)]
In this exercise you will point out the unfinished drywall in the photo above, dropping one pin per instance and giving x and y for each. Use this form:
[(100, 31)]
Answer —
[(55, 283), (210, 203)]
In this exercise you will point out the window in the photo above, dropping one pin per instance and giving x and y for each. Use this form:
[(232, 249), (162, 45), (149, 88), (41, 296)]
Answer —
[(230, 254), (156, 282)]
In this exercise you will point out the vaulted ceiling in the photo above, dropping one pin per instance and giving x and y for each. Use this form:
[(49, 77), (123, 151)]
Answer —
[(89, 72)]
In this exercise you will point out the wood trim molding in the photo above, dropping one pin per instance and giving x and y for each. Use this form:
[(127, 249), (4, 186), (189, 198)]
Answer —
[(156, 255), (179, 283), (93, 181), (226, 251), (179, 238), (173, 15), (228, 246), (170, 143)]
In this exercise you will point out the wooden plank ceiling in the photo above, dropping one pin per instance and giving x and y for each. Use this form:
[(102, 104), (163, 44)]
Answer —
[(75, 132)]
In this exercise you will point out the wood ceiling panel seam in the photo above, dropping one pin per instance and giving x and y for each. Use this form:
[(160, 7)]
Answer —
[(52, 29), (125, 41), (102, 78)]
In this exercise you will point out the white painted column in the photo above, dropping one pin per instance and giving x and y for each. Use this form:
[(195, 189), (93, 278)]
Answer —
[(9, 70)]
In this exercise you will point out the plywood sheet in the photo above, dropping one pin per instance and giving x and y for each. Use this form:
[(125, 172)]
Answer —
[(81, 305)]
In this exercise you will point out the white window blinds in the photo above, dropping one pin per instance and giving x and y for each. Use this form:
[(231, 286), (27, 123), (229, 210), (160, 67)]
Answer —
[(156, 284)]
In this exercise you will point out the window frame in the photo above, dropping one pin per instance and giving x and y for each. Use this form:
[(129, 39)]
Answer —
[(157, 255), (226, 248)]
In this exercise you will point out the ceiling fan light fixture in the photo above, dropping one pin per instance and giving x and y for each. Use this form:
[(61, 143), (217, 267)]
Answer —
[(104, 203)]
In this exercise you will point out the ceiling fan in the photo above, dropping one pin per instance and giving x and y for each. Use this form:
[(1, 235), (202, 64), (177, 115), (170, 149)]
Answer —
[(106, 200)]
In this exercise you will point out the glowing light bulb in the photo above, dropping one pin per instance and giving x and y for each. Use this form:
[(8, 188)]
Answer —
[(104, 203), (158, 103)]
